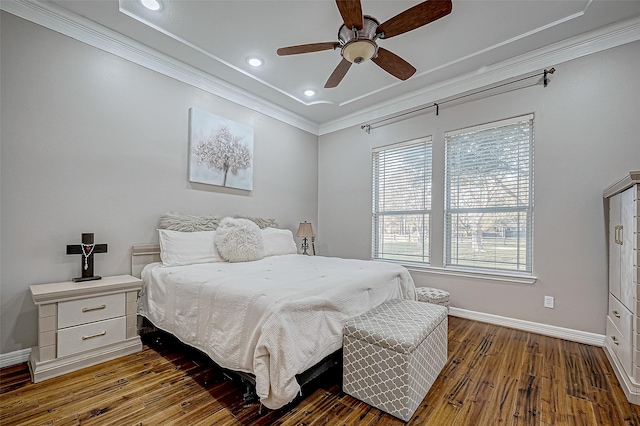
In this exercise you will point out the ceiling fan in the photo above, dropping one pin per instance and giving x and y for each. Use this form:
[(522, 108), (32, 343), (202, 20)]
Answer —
[(357, 37)]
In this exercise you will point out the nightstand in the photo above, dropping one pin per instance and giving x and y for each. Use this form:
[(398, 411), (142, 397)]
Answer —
[(82, 324)]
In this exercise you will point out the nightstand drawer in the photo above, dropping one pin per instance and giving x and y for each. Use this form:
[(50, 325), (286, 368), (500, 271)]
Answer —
[(91, 309), (90, 336)]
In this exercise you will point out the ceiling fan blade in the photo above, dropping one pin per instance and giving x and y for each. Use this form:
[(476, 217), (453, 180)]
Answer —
[(393, 64), (338, 74), (307, 48), (415, 17), (351, 12)]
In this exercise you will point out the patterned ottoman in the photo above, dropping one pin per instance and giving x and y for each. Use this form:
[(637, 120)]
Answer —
[(433, 295), (393, 354)]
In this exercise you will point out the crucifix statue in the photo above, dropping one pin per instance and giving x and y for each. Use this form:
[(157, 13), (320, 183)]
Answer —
[(87, 249)]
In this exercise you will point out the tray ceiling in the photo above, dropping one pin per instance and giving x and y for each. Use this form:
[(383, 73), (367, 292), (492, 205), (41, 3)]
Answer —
[(217, 37)]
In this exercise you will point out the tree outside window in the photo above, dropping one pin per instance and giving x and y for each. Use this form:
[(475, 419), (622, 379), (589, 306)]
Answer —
[(489, 209)]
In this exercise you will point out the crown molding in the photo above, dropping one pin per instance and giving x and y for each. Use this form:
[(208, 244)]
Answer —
[(60, 20), (585, 44), (86, 31)]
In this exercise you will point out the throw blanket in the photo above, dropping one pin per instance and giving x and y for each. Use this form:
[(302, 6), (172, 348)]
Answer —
[(275, 317)]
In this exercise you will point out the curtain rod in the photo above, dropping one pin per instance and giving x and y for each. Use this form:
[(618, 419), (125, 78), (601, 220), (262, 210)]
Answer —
[(545, 81)]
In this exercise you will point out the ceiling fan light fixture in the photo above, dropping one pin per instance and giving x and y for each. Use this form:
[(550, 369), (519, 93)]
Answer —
[(358, 35), (359, 51)]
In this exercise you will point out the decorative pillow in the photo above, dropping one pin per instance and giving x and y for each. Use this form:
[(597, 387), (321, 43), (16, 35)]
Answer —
[(261, 222), (239, 240), (278, 242), (186, 248), (186, 223)]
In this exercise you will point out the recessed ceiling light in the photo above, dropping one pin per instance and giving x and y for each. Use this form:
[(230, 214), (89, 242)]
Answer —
[(309, 92), (254, 61), (151, 4)]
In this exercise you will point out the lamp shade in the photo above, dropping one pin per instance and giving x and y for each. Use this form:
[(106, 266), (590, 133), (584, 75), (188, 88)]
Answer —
[(305, 230)]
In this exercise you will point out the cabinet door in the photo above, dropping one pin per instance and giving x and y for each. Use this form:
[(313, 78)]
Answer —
[(626, 234), (614, 247)]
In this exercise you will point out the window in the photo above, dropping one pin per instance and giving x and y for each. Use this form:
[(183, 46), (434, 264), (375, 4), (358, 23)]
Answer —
[(402, 201), (488, 196)]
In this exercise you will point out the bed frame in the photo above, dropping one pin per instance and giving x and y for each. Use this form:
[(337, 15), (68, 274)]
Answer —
[(144, 254)]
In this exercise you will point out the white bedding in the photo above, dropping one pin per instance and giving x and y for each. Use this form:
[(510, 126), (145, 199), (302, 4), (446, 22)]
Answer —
[(275, 317)]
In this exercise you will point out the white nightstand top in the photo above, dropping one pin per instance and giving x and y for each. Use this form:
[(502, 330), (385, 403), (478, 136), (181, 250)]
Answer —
[(69, 290)]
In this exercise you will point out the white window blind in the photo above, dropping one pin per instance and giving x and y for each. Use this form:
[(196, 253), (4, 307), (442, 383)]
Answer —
[(489, 196), (402, 201)]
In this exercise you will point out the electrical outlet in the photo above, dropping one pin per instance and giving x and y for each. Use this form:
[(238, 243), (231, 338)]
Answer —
[(548, 302)]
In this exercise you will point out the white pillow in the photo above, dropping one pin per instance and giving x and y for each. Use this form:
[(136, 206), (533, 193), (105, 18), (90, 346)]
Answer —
[(278, 242), (239, 240), (186, 248)]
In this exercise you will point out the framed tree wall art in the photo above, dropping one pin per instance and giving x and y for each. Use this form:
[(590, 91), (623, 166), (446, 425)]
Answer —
[(220, 151)]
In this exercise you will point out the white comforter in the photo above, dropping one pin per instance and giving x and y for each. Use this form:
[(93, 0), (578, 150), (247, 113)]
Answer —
[(274, 317)]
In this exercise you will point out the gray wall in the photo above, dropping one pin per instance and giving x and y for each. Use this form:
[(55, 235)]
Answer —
[(587, 136), (93, 143)]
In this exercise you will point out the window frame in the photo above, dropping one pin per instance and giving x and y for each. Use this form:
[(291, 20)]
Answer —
[(377, 246), (526, 210)]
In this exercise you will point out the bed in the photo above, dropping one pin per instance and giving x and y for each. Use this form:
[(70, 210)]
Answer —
[(273, 318)]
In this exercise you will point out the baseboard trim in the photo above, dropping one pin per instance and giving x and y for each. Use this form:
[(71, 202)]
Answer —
[(533, 327), (13, 358)]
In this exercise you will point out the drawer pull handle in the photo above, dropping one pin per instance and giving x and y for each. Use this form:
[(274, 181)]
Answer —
[(94, 335), (615, 340), (621, 237), (97, 308), (617, 314), (615, 234), (618, 235)]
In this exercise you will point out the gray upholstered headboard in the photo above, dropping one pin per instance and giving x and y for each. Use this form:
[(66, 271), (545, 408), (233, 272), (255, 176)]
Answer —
[(142, 255)]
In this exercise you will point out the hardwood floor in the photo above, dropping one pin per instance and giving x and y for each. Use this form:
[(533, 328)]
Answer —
[(494, 376)]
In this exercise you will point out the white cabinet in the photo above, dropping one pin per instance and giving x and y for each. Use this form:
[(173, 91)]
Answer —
[(622, 202), (82, 324)]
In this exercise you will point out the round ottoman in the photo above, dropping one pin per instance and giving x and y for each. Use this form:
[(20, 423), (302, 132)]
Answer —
[(433, 295)]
